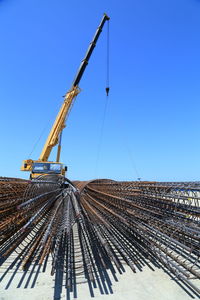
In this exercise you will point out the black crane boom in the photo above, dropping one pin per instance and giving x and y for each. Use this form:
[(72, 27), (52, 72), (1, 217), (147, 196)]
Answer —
[(89, 52)]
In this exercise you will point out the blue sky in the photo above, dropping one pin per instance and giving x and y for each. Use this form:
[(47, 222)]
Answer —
[(152, 123)]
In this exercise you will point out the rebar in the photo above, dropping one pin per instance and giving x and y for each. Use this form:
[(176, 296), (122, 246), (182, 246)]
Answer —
[(91, 227)]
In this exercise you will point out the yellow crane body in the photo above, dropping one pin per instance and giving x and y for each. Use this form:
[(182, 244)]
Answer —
[(42, 166)]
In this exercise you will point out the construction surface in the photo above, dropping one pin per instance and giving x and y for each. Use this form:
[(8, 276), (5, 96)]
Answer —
[(141, 286), (86, 234)]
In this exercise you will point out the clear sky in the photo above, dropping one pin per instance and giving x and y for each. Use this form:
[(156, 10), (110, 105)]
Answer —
[(152, 123)]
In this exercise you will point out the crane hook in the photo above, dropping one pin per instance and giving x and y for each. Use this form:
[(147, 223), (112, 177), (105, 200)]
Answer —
[(107, 91)]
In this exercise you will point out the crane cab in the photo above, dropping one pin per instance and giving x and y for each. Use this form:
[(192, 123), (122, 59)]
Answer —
[(38, 168), (47, 168)]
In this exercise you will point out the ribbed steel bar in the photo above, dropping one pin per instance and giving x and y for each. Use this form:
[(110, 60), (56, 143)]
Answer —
[(94, 226)]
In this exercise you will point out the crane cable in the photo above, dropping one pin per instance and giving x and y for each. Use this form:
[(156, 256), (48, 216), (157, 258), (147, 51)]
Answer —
[(46, 126), (127, 148), (106, 102), (38, 140)]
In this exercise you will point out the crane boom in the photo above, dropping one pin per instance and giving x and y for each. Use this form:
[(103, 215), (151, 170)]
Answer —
[(59, 124), (39, 166), (89, 51)]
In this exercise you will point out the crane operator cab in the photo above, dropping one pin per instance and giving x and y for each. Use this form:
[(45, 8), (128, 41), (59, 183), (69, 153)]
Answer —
[(39, 168)]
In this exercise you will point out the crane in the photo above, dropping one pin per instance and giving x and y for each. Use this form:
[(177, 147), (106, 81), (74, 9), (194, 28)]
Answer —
[(42, 165)]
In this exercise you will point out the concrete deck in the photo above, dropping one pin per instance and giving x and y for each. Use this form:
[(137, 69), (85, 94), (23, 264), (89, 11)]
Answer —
[(148, 284)]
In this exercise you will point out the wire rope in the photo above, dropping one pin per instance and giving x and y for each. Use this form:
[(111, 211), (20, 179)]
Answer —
[(106, 102)]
